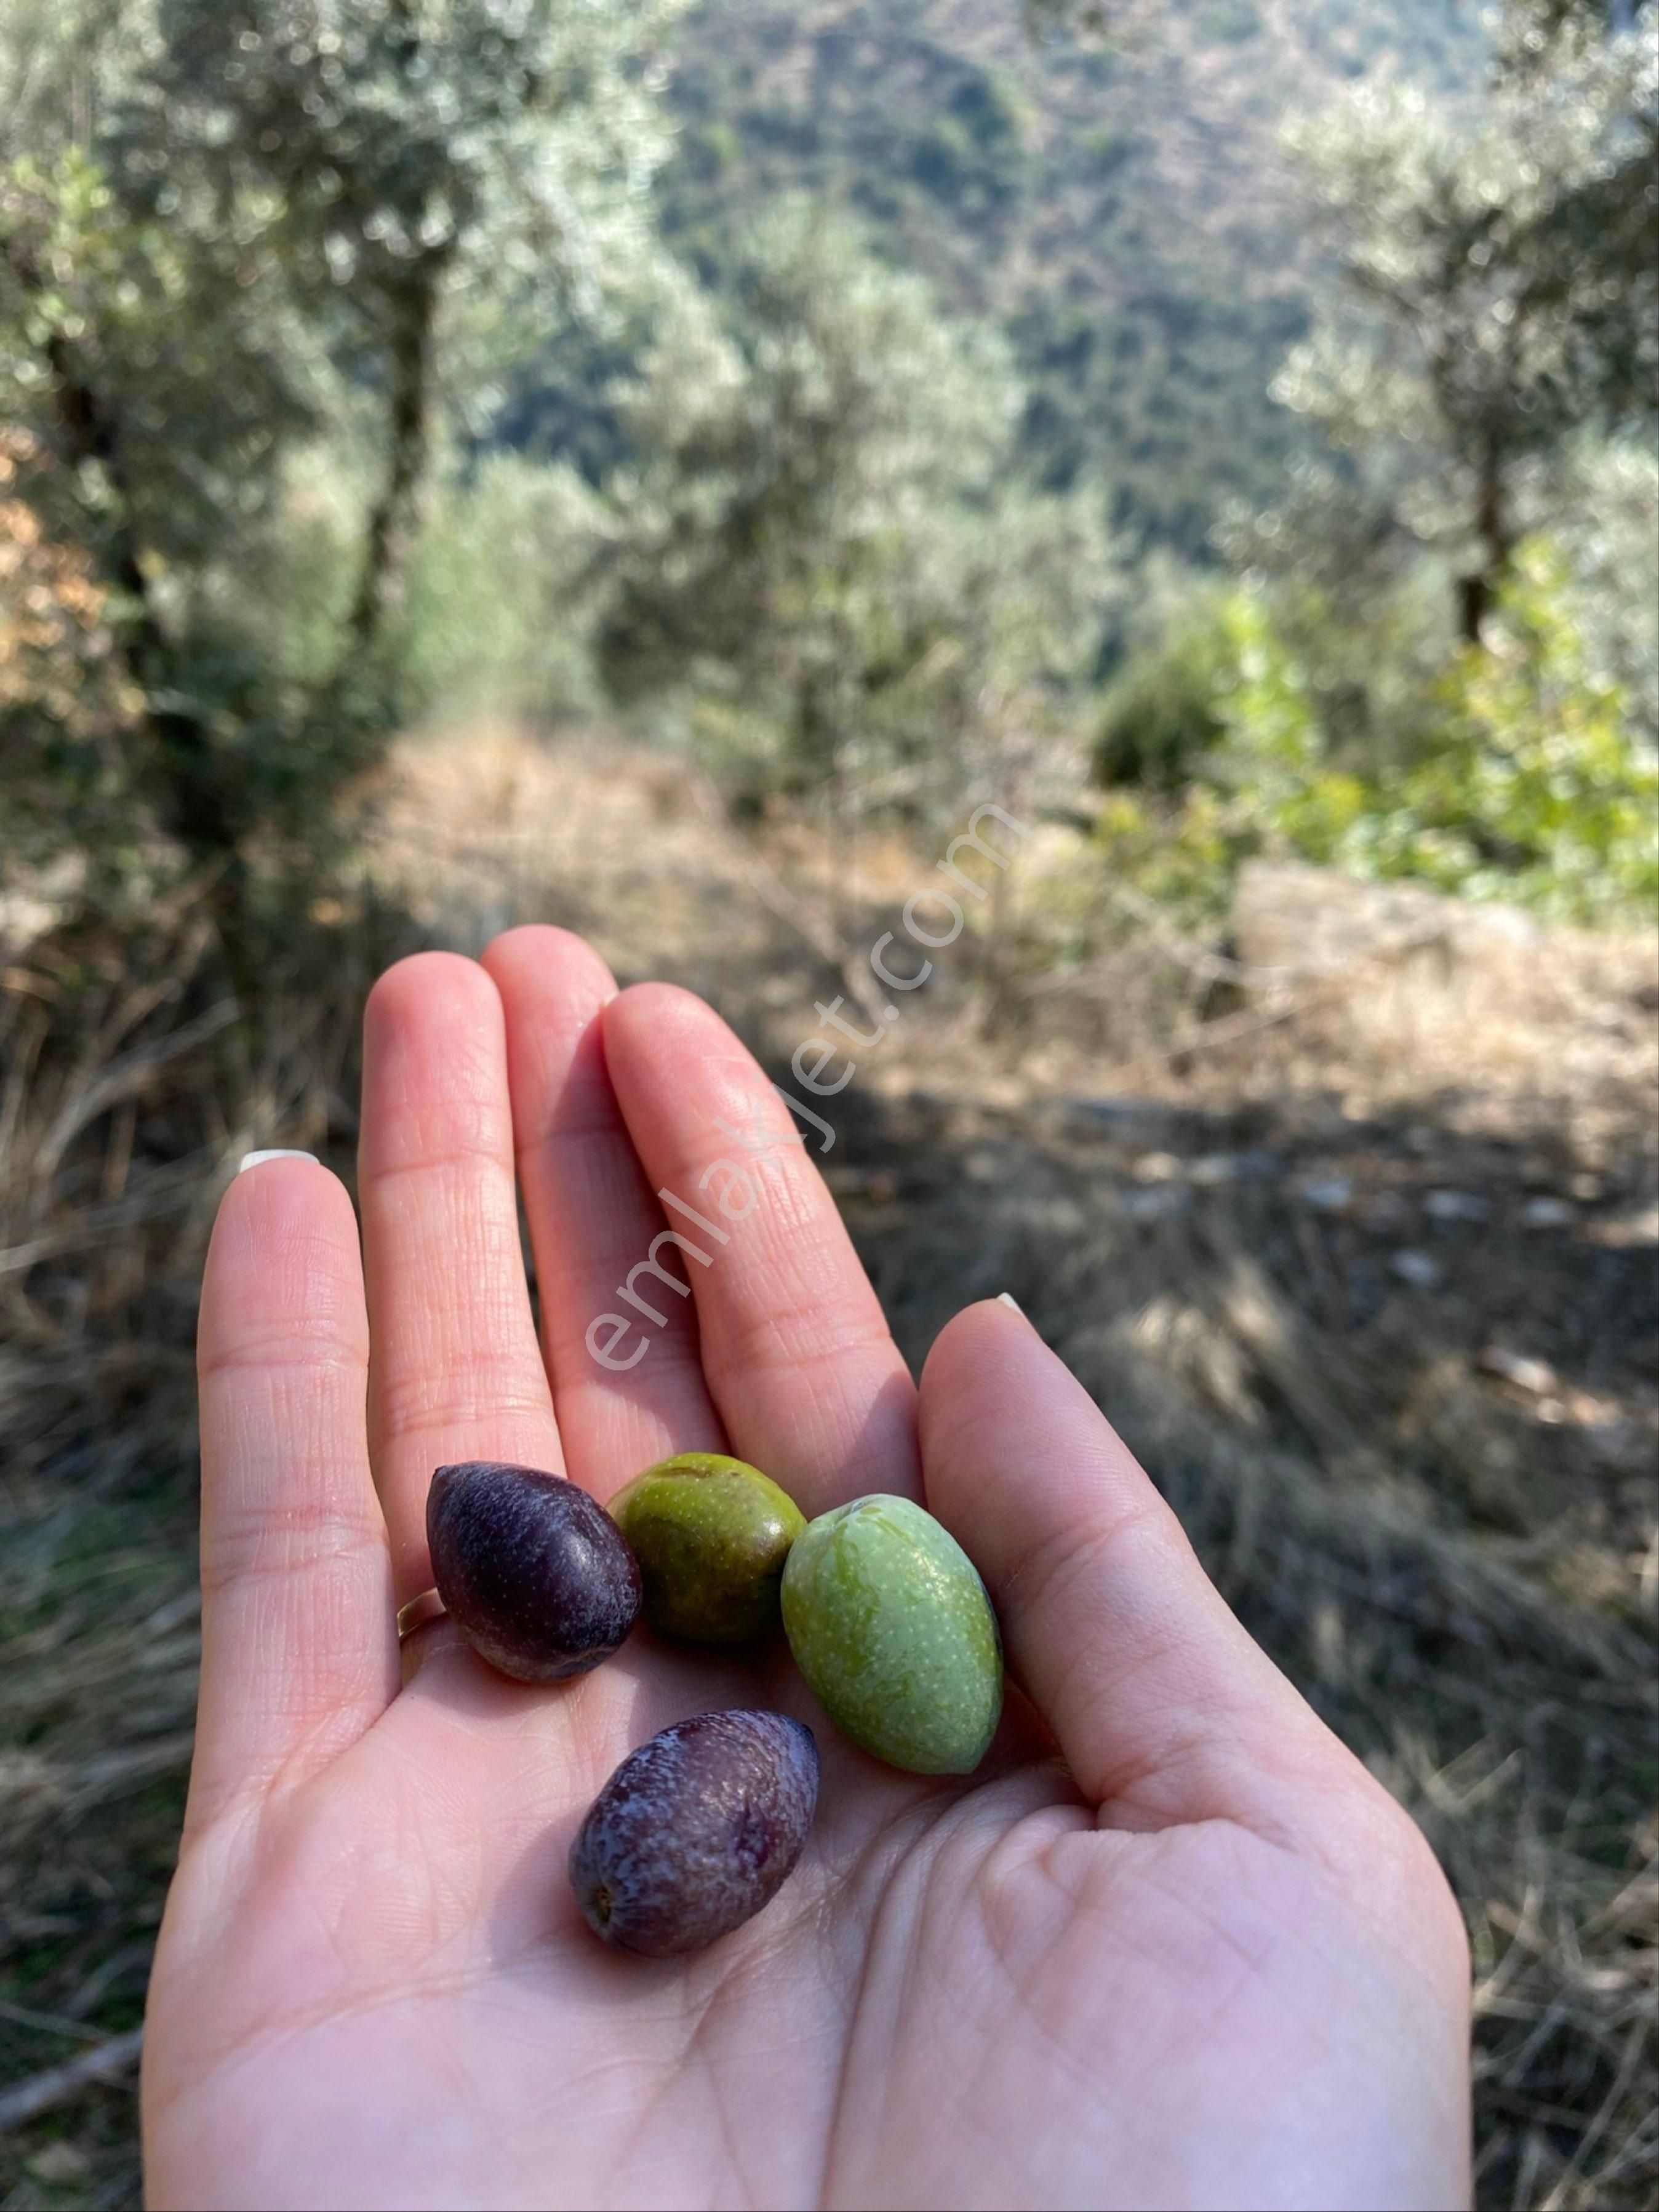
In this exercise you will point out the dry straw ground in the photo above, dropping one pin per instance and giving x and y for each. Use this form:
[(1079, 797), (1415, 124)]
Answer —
[(1353, 1230)]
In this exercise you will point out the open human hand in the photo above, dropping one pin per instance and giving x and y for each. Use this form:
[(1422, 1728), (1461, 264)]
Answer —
[(1171, 1945)]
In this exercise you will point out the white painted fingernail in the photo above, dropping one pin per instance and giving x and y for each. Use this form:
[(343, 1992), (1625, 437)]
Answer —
[(1004, 1299), (255, 1159)]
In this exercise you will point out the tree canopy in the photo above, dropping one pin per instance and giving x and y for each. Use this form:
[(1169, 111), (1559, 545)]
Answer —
[(824, 526), (228, 234), (1499, 292)]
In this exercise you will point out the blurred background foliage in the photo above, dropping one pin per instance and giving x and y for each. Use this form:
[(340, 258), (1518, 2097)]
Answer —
[(654, 465), (820, 390), (261, 265)]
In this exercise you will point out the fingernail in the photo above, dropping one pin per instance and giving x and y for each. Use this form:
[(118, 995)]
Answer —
[(1004, 1299), (255, 1159)]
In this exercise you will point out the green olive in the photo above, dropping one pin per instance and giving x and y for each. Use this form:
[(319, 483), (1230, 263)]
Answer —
[(711, 1535), (893, 1631)]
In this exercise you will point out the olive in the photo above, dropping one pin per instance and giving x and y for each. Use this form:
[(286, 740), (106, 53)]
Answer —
[(711, 1535), (695, 1830), (893, 1631), (536, 1577)]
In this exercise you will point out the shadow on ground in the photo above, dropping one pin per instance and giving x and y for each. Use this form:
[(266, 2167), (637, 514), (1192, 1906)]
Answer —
[(1397, 1384)]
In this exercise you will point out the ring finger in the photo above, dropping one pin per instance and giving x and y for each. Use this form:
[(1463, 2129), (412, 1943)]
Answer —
[(455, 1370)]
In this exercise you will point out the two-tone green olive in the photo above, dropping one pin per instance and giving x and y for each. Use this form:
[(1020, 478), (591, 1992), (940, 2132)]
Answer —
[(711, 1535)]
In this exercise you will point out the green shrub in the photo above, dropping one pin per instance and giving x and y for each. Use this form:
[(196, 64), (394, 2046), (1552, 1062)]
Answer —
[(1526, 776), (1536, 785), (1160, 716), (499, 593)]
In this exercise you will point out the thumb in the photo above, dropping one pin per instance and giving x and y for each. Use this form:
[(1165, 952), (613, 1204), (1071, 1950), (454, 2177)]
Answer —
[(1166, 1709)]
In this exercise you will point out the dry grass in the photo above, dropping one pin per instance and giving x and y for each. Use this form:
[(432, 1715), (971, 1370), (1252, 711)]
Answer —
[(1365, 1270)]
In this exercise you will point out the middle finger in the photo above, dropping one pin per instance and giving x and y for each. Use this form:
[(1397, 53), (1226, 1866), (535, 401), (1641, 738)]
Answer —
[(593, 1219)]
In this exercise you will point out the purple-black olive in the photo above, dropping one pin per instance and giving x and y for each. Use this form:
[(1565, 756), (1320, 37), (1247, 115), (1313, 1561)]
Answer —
[(695, 1830), (536, 1576)]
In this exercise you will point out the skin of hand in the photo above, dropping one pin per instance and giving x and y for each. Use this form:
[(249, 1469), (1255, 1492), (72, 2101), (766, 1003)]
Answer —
[(1172, 1945)]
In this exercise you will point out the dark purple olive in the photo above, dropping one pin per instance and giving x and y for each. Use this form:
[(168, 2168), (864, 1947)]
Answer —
[(535, 1575), (695, 1830)]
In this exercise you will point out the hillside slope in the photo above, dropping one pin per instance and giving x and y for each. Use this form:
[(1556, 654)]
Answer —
[(1125, 213)]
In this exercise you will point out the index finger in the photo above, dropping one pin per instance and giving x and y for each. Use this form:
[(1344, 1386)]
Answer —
[(798, 1356)]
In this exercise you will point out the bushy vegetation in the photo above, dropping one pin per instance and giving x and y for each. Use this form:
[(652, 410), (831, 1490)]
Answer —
[(355, 375), (826, 549), (1430, 665), (1513, 769), (254, 260)]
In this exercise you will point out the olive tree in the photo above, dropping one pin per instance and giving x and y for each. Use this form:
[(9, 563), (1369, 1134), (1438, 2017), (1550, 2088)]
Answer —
[(1498, 292), (232, 228), (824, 526)]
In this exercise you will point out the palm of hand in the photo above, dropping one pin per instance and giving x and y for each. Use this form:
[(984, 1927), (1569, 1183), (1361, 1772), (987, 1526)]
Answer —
[(1200, 1959)]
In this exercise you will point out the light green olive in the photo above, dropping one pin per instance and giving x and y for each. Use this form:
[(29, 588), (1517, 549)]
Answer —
[(711, 1535), (892, 1629)]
